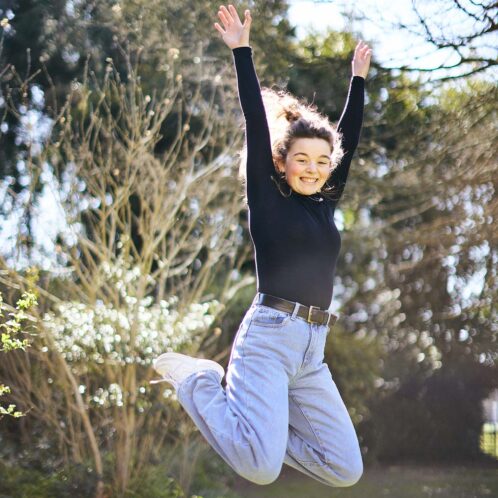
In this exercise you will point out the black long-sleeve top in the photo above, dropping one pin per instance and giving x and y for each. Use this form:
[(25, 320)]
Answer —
[(295, 238)]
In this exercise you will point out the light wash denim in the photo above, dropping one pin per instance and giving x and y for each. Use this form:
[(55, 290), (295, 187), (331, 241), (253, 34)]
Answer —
[(280, 404)]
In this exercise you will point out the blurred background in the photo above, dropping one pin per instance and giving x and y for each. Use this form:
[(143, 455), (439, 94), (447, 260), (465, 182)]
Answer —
[(123, 234)]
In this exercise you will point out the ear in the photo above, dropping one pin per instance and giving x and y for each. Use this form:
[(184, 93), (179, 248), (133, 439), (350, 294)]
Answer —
[(280, 165)]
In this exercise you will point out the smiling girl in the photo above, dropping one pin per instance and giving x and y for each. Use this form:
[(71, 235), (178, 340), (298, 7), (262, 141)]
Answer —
[(280, 404)]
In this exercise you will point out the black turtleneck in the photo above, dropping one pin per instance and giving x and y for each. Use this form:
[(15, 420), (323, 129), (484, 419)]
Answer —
[(295, 238)]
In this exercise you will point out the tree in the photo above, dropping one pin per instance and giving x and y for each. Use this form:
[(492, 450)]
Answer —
[(434, 217)]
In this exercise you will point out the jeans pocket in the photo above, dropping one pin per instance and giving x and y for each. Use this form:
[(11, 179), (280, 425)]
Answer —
[(264, 316)]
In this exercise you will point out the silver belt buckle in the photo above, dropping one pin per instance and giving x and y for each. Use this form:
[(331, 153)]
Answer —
[(310, 311)]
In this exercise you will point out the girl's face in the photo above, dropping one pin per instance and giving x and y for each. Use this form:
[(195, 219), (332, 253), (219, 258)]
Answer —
[(307, 165)]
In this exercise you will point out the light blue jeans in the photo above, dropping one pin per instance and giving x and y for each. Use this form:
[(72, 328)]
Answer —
[(280, 404)]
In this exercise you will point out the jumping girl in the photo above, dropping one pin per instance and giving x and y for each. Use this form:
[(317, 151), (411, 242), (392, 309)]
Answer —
[(280, 404)]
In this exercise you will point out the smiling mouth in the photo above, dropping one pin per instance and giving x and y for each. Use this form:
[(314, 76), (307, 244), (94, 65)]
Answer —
[(308, 180)]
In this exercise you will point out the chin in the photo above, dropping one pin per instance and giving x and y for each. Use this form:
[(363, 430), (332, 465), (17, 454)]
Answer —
[(307, 191)]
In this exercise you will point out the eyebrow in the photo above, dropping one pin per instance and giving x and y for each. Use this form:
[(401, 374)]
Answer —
[(304, 154)]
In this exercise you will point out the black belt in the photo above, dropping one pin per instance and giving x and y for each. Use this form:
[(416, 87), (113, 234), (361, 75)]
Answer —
[(312, 314)]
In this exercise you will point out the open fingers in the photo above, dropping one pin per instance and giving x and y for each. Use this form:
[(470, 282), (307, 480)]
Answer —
[(224, 18), (367, 52), (360, 46), (219, 28), (227, 13), (362, 49), (233, 12)]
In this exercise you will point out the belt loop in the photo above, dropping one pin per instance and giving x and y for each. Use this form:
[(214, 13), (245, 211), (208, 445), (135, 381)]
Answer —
[(294, 311), (332, 318), (256, 298)]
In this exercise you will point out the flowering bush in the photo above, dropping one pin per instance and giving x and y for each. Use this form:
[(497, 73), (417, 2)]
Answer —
[(133, 331)]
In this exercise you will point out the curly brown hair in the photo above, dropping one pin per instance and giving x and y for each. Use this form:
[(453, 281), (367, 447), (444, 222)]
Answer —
[(289, 119)]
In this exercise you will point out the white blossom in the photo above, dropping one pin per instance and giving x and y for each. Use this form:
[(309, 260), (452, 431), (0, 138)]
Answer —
[(135, 331)]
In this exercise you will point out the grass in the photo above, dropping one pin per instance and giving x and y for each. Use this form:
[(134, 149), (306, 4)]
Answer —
[(402, 481)]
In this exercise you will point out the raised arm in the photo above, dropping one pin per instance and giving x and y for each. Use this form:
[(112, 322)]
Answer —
[(352, 116), (236, 36), (259, 156)]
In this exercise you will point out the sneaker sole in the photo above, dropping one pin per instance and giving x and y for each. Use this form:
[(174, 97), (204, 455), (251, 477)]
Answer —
[(201, 363)]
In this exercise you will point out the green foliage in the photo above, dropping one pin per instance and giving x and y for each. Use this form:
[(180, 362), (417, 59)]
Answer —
[(320, 70), (11, 329), (32, 479), (355, 364), (213, 478), (11, 409), (32, 483), (153, 481)]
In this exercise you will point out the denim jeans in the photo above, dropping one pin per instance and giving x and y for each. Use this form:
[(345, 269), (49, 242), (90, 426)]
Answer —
[(280, 404)]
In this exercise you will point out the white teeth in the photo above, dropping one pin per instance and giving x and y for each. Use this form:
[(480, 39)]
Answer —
[(309, 180)]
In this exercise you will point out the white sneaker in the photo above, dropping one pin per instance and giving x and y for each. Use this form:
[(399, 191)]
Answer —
[(176, 367)]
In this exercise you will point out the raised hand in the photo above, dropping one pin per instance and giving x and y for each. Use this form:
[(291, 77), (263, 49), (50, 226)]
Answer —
[(361, 59), (235, 33)]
